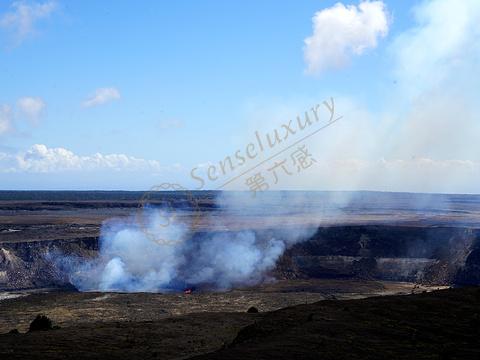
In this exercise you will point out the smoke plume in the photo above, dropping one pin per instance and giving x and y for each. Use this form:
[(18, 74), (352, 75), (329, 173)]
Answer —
[(159, 249)]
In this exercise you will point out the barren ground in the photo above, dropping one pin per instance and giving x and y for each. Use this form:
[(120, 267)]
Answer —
[(438, 325), (302, 317)]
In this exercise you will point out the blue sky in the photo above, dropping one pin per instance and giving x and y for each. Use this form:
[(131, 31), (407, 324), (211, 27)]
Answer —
[(181, 83)]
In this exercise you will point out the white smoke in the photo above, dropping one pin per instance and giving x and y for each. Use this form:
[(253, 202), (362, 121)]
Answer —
[(419, 132), (159, 250)]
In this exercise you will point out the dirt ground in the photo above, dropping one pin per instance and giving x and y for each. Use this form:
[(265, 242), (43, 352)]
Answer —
[(439, 325), (67, 308), (436, 325)]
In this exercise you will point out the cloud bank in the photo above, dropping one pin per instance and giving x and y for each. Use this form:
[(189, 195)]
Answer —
[(42, 159)]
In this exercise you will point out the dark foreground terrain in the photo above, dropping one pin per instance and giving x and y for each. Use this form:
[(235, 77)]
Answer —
[(442, 324), (439, 325)]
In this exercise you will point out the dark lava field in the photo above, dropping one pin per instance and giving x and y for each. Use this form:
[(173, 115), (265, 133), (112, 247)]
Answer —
[(326, 297)]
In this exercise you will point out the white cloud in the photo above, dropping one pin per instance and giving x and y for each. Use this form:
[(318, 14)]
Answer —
[(5, 119), (339, 32), (31, 107), (21, 20), (102, 96), (41, 159)]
